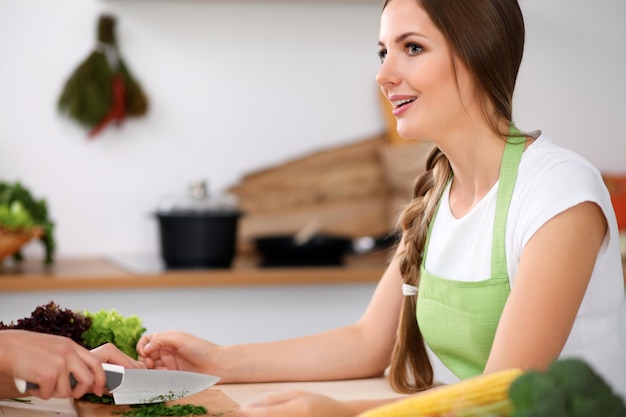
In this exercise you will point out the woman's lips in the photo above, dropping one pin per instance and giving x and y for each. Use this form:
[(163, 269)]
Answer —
[(401, 103)]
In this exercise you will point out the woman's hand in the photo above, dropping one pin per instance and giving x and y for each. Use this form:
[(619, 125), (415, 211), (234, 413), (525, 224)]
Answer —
[(297, 404), (48, 360), (175, 350), (109, 353)]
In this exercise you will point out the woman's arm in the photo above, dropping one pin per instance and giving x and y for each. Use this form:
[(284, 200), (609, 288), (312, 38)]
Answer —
[(554, 272), (359, 350), (305, 404)]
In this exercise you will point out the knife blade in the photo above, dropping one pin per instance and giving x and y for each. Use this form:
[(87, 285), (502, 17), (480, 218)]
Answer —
[(144, 386)]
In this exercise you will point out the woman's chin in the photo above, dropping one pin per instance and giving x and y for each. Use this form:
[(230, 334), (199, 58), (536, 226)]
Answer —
[(409, 134)]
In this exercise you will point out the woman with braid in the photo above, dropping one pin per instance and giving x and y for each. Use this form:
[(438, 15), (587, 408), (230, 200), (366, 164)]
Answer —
[(509, 256)]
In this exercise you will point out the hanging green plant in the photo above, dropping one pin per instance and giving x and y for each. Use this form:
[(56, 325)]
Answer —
[(102, 90)]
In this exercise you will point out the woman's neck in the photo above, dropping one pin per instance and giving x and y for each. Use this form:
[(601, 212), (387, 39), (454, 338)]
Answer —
[(475, 157)]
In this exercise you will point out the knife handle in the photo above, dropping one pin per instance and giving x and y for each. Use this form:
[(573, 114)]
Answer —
[(23, 386), (114, 375)]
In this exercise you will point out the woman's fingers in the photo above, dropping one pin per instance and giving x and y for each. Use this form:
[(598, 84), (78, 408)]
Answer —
[(51, 361), (109, 353), (160, 350), (95, 372), (76, 366), (171, 339), (294, 404), (141, 344)]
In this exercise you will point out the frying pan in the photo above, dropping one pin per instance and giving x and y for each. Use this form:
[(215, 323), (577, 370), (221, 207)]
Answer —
[(319, 250)]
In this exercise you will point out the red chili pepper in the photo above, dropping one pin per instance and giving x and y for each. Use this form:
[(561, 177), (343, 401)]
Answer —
[(117, 113)]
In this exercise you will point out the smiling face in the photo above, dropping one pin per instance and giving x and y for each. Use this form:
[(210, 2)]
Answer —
[(430, 97)]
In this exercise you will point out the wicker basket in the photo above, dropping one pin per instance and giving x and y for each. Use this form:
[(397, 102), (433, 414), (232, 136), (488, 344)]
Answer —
[(12, 241)]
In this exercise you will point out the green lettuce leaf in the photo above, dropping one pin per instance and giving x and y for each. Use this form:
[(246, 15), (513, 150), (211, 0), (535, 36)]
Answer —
[(108, 326)]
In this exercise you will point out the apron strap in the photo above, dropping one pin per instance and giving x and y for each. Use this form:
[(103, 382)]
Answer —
[(513, 150), (508, 174)]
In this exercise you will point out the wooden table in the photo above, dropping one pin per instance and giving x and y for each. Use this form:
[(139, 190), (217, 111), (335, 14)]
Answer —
[(241, 393)]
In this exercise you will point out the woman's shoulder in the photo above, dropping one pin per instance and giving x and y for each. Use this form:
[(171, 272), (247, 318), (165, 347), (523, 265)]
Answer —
[(552, 179), (545, 150), (547, 164)]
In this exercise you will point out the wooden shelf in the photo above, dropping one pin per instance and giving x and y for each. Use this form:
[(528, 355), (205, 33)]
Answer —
[(97, 273), (93, 274)]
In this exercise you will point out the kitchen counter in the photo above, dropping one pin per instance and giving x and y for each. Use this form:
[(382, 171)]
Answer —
[(128, 273), (242, 394), (137, 273)]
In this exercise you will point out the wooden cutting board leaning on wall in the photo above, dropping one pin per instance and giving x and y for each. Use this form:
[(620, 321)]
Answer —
[(352, 190), (342, 188), (216, 402)]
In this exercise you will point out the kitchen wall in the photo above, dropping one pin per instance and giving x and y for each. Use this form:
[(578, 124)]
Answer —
[(236, 86)]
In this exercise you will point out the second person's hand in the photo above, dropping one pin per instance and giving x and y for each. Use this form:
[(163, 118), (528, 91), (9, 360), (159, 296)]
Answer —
[(175, 350), (109, 353), (296, 404)]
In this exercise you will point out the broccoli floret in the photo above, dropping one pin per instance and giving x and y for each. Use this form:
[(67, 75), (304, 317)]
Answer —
[(568, 388), (535, 395)]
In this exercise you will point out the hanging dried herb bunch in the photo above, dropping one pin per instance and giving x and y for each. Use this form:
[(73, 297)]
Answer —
[(102, 90)]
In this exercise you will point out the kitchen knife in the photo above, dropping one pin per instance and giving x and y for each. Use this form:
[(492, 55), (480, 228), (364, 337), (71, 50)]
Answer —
[(143, 386)]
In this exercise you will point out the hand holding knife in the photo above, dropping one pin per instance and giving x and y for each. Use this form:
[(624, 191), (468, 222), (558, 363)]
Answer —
[(141, 386)]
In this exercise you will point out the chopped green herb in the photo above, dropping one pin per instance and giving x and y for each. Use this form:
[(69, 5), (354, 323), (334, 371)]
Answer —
[(170, 396), (19, 400), (162, 410)]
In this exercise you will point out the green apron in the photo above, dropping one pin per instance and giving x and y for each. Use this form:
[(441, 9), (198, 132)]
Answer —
[(458, 319)]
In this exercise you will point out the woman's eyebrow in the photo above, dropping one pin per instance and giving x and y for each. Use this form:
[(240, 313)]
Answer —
[(403, 36)]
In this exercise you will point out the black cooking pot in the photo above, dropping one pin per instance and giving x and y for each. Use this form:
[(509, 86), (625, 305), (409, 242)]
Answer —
[(191, 239)]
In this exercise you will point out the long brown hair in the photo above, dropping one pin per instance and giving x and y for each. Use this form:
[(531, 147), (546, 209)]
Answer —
[(487, 36)]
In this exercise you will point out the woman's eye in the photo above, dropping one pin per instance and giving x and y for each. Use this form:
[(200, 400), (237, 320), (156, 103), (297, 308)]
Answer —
[(382, 54), (413, 48)]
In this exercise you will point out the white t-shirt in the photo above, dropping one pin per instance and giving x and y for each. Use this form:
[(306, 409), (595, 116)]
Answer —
[(550, 180)]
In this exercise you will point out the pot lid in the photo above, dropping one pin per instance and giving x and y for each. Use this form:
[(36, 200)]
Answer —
[(199, 200)]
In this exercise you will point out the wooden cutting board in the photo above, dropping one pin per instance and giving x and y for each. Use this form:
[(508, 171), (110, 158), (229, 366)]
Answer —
[(216, 402)]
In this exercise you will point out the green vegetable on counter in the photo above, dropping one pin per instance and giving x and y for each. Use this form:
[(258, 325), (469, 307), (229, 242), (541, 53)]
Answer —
[(20, 210), (569, 388), (89, 329), (14, 216), (52, 319), (108, 326)]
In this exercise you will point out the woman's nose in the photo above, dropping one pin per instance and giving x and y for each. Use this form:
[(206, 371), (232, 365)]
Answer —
[(386, 76)]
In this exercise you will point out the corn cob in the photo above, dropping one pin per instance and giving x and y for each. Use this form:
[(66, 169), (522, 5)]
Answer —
[(472, 392)]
